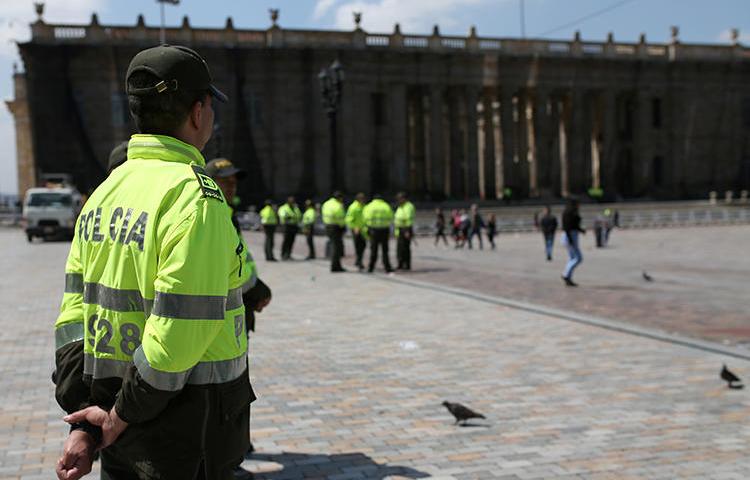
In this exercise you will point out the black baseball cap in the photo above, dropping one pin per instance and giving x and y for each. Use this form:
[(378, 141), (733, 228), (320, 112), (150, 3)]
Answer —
[(221, 167), (177, 68)]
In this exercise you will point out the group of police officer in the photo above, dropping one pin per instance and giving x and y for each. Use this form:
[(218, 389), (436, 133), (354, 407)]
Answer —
[(160, 289), (365, 221)]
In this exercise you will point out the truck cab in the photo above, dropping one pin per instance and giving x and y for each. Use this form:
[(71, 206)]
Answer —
[(51, 212)]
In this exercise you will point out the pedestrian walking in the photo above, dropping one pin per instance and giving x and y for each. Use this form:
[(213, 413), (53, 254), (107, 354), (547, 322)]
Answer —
[(308, 228), (491, 229), (548, 226), (571, 224), (378, 218), (456, 227), (256, 294), (476, 224), (334, 218), (440, 227), (403, 221), (464, 227), (290, 217), (155, 251), (356, 222), (269, 219)]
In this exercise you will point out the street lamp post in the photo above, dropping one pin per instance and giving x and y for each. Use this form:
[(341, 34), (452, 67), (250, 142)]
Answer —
[(331, 81), (162, 34)]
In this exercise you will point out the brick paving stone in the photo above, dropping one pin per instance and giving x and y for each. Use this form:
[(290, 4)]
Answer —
[(350, 371)]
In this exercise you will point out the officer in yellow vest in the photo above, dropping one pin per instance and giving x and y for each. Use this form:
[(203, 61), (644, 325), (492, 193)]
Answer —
[(356, 223), (256, 295), (334, 218), (378, 216), (290, 217), (269, 219), (403, 221), (151, 361), (308, 227)]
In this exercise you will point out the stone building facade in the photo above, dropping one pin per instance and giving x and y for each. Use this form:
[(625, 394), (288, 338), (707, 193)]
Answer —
[(442, 117)]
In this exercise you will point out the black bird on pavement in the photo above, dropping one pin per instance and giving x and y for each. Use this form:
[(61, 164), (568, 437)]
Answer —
[(461, 412), (733, 381), (647, 277)]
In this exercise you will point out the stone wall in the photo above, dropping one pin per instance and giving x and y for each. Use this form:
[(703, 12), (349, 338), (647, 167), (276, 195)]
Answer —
[(441, 117)]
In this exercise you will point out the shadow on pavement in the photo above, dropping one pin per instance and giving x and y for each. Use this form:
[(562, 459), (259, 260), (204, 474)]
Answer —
[(300, 465)]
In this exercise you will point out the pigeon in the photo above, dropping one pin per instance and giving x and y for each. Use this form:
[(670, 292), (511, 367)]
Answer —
[(461, 412), (647, 277), (733, 381)]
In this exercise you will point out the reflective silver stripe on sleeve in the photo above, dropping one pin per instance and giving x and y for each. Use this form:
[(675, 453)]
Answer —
[(115, 299), (167, 381), (73, 283), (221, 371), (104, 367), (234, 298), (249, 284), (65, 334), (203, 373), (189, 307)]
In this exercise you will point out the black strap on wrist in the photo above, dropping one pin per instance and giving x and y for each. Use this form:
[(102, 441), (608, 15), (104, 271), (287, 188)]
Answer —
[(93, 430)]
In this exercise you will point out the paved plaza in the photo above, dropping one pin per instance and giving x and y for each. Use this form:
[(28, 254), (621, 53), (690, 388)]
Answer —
[(351, 369)]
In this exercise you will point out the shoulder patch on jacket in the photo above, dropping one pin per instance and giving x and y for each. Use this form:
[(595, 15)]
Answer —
[(208, 186)]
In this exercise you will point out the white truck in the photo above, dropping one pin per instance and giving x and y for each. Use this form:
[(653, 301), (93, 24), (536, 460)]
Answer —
[(51, 212)]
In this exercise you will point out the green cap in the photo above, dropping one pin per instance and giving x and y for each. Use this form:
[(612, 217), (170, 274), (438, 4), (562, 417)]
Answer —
[(177, 68), (221, 167)]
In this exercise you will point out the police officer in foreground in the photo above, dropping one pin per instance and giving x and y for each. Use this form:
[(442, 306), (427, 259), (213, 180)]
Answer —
[(290, 217), (269, 220), (403, 221), (334, 218), (256, 295), (378, 217), (308, 227), (151, 361), (356, 223)]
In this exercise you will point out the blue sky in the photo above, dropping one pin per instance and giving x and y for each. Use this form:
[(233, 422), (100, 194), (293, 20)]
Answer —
[(700, 21)]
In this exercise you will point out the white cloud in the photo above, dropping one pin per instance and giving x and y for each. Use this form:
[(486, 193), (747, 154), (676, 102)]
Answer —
[(726, 37), (416, 16), (322, 7), (15, 17)]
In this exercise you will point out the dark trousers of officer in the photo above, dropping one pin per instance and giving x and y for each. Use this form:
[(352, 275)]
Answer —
[(379, 239), (310, 236), (336, 237), (270, 230), (290, 233), (403, 248), (359, 248)]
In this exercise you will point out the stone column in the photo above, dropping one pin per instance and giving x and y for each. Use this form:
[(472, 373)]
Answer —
[(481, 142), (529, 117), (520, 157), (509, 145), (563, 120), (472, 154), (542, 117), (427, 141), (497, 143), (437, 151), (25, 162), (595, 139), (578, 138), (489, 183), (447, 144), (399, 169), (608, 165)]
